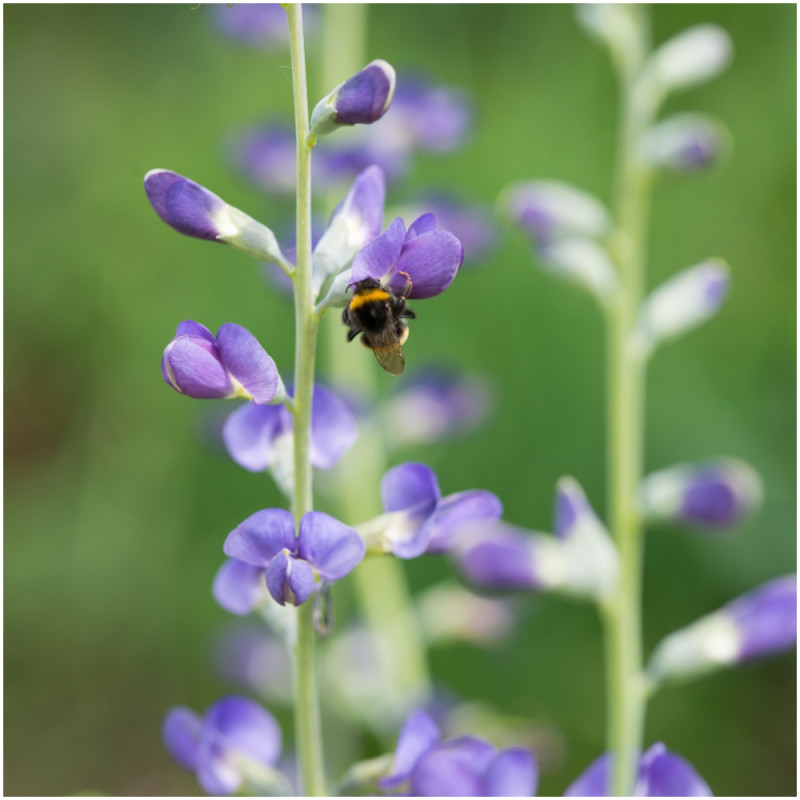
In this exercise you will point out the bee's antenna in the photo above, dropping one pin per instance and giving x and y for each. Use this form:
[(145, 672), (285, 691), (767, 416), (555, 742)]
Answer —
[(409, 285)]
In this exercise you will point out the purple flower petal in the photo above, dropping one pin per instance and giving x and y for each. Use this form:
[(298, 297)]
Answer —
[(262, 24), (181, 734), (462, 512), (423, 224), (664, 774), (512, 773), (239, 587), (410, 486), (505, 559), (418, 735), (216, 772), (593, 781), (184, 204), (191, 328), (453, 769), (333, 428), (246, 728), (248, 362), (330, 546), (192, 366), (261, 536), (289, 579), (766, 618), (365, 97), (377, 259), (250, 432), (431, 260), (710, 500)]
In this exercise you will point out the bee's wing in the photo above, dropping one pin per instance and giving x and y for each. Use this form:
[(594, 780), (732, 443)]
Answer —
[(388, 350)]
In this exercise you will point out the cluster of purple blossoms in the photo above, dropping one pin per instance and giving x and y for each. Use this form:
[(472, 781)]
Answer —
[(426, 766)]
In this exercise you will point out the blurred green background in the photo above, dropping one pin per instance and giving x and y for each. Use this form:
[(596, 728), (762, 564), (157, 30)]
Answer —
[(116, 509)]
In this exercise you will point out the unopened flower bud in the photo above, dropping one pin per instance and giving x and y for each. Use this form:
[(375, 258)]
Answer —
[(715, 494), (755, 625), (360, 100), (693, 56), (685, 143), (585, 263), (681, 303), (194, 211)]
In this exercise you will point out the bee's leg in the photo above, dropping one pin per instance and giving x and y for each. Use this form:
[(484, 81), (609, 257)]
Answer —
[(407, 286), (407, 313), (352, 333)]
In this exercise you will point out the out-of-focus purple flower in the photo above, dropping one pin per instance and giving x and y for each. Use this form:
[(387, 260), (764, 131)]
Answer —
[(427, 117), (472, 224), (191, 209), (247, 656), (434, 404), (258, 24), (256, 436), (581, 560), (464, 767), (429, 256), (232, 364), (681, 303), (685, 143), (661, 774), (418, 519), (550, 210), (235, 743), (360, 100), (324, 547), (755, 625), (713, 495)]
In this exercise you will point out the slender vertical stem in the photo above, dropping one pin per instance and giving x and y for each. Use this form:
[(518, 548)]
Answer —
[(625, 409), (307, 721)]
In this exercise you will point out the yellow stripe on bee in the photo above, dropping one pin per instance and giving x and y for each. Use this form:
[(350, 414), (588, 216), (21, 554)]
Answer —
[(362, 298)]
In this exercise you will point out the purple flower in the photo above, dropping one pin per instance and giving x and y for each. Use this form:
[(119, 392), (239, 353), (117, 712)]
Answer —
[(257, 436), (233, 364), (429, 256), (463, 767), (472, 224), (431, 118), (581, 560), (758, 624), (360, 100), (323, 547), (685, 143), (194, 211), (418, 519), (713, 495), (661, 774), (258, 24), (434, 404), (240, 587), (233, 743)]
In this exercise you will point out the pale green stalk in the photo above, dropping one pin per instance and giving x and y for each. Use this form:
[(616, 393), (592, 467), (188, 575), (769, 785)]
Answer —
[(625, 686), (307, 719), (381, 584)]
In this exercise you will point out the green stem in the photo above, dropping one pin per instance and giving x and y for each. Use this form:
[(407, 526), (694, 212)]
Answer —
[(381, 585), (307, 720), (626, 698)]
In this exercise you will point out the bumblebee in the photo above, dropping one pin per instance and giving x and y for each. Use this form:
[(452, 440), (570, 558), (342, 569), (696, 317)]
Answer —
[(379, 315)]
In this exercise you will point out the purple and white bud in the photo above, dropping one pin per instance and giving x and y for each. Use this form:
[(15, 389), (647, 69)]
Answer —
[(755, 625), (548, 210), (356, 222), (685, 143), (360, 100), (713, 494), (585, 263), (588, 550), (681, 303), (692, 57), (232, 364), (192, 210)]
